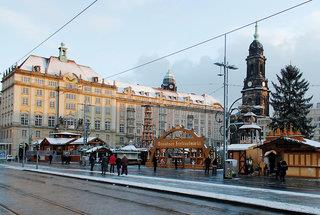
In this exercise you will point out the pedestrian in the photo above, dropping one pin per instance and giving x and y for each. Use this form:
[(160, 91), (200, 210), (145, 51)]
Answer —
[(207, 163), (62, 158), (124, 164), (176, 163), (50, 159), (112, 162), (278, 170), (92, 161), (139, 163), (104, 163), (155, 163), (118, 164), (283, 170), (214, 166)]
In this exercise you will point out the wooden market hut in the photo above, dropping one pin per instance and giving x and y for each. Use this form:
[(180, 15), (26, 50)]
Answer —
[(302, 155), (182, 145)]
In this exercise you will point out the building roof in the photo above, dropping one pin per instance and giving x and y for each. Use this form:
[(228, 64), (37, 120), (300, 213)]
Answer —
[(250, 126), (313, 143), (240, 147), (249, 114), (96, 148), (129, 148), (54, 66), (58, 141), (80, 140)]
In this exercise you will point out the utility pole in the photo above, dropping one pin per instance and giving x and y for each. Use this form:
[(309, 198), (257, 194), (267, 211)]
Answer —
[(85, 126)]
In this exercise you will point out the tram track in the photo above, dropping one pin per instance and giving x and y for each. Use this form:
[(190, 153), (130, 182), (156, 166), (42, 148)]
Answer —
[(48, 201), (8, 210)]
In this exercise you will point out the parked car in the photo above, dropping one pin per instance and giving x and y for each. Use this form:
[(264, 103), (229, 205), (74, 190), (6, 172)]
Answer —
[(10, 158)]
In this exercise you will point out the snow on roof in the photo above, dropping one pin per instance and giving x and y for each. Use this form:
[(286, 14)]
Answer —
[(240, 147), (140, 90), (129, 148), (54, 66), (249, 114), (37, 142), (254, 126), (65, 133), (96, 148), (80, 140), (312, 143), (58, 141)]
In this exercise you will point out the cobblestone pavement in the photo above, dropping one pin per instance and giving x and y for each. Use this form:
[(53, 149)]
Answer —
[(305, 197), (291, 184), (32, 194)]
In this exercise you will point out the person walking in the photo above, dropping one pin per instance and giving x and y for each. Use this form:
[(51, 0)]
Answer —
[(118, 164), (278, 170), (283, 170), (176, 163), (112, 162), (155, 163), (104, 163), (124, 164), (207, 163), (92, 162), (214, 166), (50, 159)]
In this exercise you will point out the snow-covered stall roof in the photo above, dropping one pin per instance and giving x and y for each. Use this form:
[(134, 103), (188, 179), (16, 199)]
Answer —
[(80, 140), (58, 141), (249, 126), (312, 143), (240, 147), (129, 148), (96, 148), (249, 114)]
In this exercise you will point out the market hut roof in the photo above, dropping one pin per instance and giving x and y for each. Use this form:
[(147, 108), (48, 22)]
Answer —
[(240, 147)]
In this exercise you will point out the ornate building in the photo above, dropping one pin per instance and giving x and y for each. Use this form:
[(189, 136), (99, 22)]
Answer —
[(255, 92), (45, 95)]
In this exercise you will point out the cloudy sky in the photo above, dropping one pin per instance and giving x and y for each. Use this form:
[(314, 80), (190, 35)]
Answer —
[(113, 36)]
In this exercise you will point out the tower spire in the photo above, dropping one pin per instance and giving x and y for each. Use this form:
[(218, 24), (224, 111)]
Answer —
[(256, 35)]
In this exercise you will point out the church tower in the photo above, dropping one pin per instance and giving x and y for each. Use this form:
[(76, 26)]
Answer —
[(169, 82), (255, 92)]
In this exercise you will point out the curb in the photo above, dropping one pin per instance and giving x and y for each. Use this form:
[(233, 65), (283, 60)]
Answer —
[(182, 192)]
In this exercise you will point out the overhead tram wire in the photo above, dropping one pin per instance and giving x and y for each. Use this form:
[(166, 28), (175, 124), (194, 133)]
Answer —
[(210, 39), (54, 33)]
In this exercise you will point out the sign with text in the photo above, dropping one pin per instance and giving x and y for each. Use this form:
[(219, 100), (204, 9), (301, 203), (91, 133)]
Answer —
[(180, 143)]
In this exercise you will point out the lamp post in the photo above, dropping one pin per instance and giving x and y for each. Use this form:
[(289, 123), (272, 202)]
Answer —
[(226, 67)]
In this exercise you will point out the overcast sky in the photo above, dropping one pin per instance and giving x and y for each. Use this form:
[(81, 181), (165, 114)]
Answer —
[(113, 36)]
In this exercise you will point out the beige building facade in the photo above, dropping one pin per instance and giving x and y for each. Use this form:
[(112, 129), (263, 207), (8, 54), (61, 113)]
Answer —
[(45, 95)]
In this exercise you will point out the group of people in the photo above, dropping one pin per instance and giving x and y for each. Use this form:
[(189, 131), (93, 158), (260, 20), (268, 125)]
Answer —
[(120, 163), (207, 163)]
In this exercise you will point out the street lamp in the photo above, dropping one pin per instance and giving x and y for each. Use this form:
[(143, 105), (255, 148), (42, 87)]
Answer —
[(226, 67)]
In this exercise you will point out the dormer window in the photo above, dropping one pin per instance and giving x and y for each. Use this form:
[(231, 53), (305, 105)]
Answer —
[(36, 68), (95, 79)]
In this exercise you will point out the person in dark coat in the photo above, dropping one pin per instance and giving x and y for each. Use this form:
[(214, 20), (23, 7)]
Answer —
[(176, 163), (50, 159), (283, 170), (118, 164), (214, 166), (124, 164), (207, 163), (104, 164), (62, 159), (155, 163), (92, 161), (278, 170)]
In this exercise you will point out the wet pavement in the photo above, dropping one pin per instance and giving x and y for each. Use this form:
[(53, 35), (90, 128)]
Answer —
[(32, 193), (251, 190)]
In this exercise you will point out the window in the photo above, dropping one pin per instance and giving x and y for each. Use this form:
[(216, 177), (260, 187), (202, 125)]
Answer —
[(52, 104), (53, 83), (25, 79), (38, 120), (25, 91), (39, 93), (98, 100), (39, 103), (107, 110), (87, 89), (87, 99), (108, 101), (39, 81), (24, 119), (70, 122), (70, 96), (52, 94), (98, 91), (71, 86), (24, 133), (121, 140), (121, 128), (38, 134), (25, 101), (70, 106), (51, 121), (107, 125), (97, 125), (98, 110)]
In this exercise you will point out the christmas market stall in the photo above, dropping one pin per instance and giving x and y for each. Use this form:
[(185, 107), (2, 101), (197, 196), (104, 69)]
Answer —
[(301, 155), (179, 148)]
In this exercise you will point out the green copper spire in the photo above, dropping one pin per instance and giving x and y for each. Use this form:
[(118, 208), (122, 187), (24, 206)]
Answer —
[(256, 35)]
